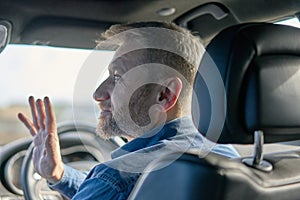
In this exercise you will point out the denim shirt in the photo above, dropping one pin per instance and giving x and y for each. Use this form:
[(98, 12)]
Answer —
[(116, 178)]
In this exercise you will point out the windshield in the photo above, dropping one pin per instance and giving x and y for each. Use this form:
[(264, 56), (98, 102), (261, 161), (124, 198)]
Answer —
[(41, 71)]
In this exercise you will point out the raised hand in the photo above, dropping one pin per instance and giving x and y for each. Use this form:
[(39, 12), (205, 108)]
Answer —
[(46, 154)]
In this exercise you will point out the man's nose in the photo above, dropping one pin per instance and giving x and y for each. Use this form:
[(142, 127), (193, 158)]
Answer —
[(102, 92)]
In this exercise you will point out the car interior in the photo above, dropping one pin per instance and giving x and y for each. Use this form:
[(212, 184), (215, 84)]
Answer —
[(257, 72), (255, 58)]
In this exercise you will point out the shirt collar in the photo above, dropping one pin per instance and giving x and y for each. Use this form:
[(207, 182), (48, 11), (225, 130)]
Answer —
[(170, 129)]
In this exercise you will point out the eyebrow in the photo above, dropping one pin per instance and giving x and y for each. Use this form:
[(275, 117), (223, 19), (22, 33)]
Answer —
[(111, 67), (116, 62)]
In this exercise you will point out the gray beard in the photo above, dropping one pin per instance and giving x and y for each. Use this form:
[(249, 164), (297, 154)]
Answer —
[(109, 128)]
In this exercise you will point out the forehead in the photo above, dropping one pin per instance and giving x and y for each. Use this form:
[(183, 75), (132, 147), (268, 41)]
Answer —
[(125, 62)]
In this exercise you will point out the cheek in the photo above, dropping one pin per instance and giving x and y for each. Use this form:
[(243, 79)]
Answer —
[(144, 97), (139, 106), (123, 94), (141, 100), (118, 98)]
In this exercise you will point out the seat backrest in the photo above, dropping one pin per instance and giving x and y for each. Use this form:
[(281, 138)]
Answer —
[(259, 65), (218, 178)]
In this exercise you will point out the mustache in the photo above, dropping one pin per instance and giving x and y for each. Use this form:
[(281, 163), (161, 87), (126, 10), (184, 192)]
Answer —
[(105, 106)]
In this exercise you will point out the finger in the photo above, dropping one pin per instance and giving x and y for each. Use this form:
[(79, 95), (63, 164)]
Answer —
[(50, 116), (33, 111), (41, 113), (29, 125)]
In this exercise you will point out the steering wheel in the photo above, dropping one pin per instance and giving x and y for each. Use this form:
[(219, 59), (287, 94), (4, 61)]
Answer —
[(81, 139), (11, 158)]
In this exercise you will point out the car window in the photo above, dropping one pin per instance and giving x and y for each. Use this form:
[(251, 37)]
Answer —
[(40, 70), (293, 21)]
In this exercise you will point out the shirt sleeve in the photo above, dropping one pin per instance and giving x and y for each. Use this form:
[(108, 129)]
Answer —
[(96, 188), (106, 183), (226, 150), (69, 183)]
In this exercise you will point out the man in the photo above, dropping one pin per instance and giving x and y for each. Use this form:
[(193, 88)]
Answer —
[(146, 99)]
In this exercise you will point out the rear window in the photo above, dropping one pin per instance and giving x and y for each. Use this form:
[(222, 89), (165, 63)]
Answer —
[(293, 21)]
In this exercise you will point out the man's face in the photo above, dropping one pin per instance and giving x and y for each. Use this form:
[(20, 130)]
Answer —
[(131, 101)]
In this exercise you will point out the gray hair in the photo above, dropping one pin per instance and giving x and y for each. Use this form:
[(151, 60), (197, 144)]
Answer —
[(185, 59)]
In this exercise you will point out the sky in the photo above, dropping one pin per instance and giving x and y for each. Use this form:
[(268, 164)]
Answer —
[(39, 70)]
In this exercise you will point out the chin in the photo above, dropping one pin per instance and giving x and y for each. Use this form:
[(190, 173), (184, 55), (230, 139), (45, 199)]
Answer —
[(102, 129), (107, 128)]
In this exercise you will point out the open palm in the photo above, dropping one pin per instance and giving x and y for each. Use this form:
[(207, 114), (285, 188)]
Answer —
[(46, 154)]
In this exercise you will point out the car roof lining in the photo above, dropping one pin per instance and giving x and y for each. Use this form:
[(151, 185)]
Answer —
[(78, 23)]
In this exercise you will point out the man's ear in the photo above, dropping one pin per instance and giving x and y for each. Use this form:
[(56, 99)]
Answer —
[(169, 93)]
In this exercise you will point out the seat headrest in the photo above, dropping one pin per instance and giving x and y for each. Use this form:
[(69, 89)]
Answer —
[(259, 65)]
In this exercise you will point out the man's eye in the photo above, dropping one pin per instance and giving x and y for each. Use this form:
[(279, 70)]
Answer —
[(116, 78)]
